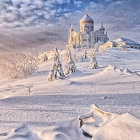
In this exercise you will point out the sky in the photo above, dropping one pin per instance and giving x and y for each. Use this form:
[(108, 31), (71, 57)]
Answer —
[(32, 21)]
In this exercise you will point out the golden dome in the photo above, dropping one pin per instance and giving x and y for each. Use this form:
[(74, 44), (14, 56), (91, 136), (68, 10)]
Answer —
[(86, 19)]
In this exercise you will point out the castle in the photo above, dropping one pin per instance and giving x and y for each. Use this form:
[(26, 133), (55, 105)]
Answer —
[(87, 37)]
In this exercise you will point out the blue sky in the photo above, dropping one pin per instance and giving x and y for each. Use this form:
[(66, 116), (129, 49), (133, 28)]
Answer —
[(19, 13)]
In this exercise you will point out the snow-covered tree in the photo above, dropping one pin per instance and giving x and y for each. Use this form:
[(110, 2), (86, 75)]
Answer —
[(56, 70), (19, 65), (96, 47), (70, 64), (85, 53), (93, 62)]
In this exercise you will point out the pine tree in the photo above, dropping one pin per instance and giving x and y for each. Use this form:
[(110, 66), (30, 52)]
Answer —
[(93, 62), (70, 64), (56, 70)]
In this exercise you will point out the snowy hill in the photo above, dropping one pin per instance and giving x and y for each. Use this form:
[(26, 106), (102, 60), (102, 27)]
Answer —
[(33, 108)]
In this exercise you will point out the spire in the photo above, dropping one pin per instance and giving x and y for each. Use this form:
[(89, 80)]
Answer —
[(102, 24), (86, 11), (71, 29), (71, 26)]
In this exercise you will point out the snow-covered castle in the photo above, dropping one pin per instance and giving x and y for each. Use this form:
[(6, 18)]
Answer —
[(87, 37)]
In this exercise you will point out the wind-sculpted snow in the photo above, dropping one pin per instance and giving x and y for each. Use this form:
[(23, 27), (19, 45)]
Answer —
[(103, 125), (20, 133), (51, 109)]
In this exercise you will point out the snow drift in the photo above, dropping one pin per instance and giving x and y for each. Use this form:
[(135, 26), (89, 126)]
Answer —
[(20, 133), (114, 69), (109, 126), (101, 125)]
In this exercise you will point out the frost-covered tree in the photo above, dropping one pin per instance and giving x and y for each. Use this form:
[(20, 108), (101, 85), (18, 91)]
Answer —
[(85, 53), (96, 47), (19, 65), (93, 62), (56, 70), (70, 64)]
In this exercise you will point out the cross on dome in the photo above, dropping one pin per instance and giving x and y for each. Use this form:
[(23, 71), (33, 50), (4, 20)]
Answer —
[(71, 26), (86, 18), (86, 10)]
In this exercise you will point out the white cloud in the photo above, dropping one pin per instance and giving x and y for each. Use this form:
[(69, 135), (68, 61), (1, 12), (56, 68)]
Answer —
[(116, 14)]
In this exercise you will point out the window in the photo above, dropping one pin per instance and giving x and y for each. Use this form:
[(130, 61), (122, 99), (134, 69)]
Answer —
[(84, 39)]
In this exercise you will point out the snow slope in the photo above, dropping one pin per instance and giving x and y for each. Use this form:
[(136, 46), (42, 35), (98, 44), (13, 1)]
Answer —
[(50, 110)]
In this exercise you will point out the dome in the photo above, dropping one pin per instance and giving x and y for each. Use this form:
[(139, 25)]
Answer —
[(102, 28), (86, 19)]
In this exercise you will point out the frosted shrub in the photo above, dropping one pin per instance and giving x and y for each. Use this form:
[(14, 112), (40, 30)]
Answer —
[(18, 65), (85, 53), (93, 61), (43, 58)]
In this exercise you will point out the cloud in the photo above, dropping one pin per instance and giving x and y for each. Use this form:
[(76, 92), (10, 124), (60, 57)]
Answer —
[(120, 17), (31, 12)]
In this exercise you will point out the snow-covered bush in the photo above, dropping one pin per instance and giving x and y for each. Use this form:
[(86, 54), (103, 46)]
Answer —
[(18, 65), (93, 62), (43, 58), (74, 54), (85, 53), (56, 70)]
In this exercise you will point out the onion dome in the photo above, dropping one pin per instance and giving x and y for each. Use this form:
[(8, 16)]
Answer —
[(86, 19)]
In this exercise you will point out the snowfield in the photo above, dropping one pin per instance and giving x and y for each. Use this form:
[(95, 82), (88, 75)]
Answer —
[(34, 109)]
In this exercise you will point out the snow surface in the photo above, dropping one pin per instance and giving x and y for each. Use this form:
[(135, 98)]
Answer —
[(50, 111)]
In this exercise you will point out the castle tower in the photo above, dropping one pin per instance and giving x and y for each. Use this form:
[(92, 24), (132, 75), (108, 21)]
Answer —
[(86, 24)]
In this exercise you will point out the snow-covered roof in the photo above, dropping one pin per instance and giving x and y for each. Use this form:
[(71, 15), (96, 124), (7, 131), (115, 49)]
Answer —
[(119, 40), (110, 42), (86, 19)]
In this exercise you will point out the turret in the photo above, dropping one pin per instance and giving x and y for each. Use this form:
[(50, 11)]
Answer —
[(102, 29)]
